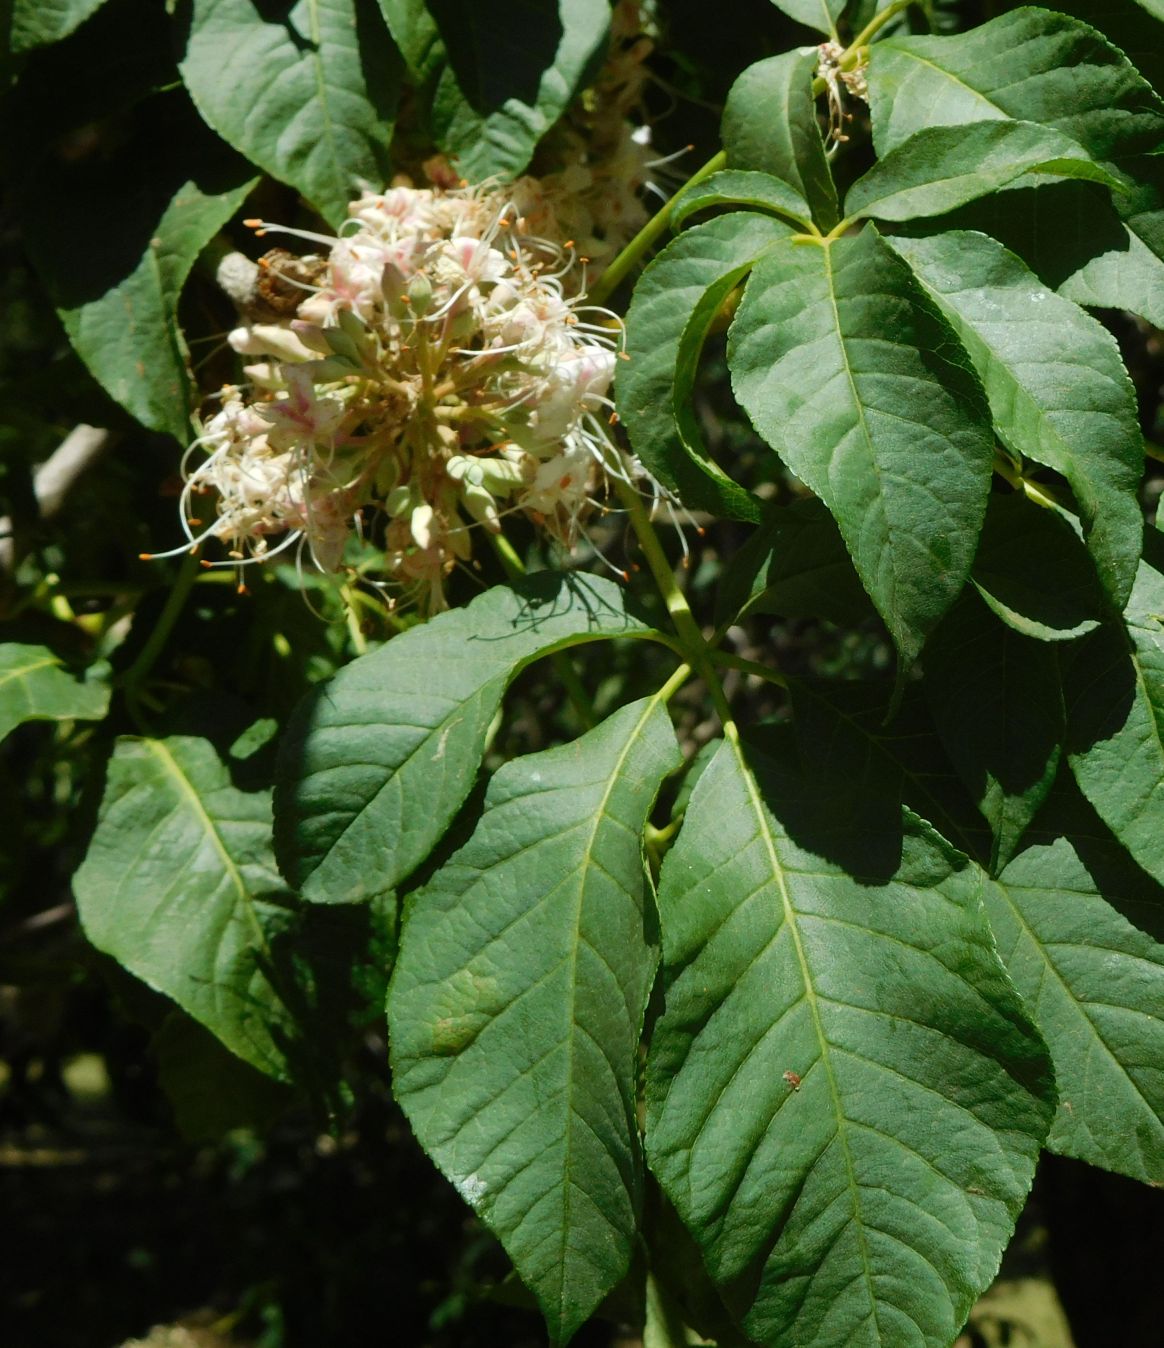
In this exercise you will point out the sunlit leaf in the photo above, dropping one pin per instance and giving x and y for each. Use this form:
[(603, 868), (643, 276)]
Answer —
[(770, 124), (1058, 389), (674, 302), (845, 1098), (517, 1002), (306, 90), (864, 392), (376, 761)]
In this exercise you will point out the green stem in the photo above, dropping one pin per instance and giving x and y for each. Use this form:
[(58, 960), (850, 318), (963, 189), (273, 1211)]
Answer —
[(872, 28), (749, 667), (695, 650), (514, 568), (147, 657), (647, 237), (1038, 492)]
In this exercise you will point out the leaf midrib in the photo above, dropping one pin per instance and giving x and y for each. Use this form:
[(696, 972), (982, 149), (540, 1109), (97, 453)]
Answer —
[(731, 734)]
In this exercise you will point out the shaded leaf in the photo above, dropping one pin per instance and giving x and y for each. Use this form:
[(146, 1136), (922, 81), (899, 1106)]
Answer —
[(376, 762), (36, 23), (997, 704), (306, 90), (845, 1098), (674, 302), (509, 72), (1114, 683), (864, 392), (741, 187), (148, 215), (517, 1003), (35, 686), (1057, 386), (1095, 986), (770, 124), (809, 572), (1032, 570)]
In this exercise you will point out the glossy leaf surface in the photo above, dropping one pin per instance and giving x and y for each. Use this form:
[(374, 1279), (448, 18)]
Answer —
[(943, 167), (376, 762), (770, 125), (517, 1003), (857, 384), (1058, 389), (845, 1099), (674, 302)]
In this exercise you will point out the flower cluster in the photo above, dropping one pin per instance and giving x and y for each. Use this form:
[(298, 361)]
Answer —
[(435, 364)]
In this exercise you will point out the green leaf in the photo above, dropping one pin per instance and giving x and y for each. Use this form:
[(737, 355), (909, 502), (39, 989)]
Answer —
[(843, 733), (149, 213), (809, 572), (1033, 572), (864, 392), (819, 14), (1095, 986), (503, 74), (377, 761), (1115, 696), (1040, 66), (36, 23), (741, 187), (998, 707), (1033, 65), (943, 167), (517, 1003), (307, 91), (179, 885), (674, 302), (1057, 386), (1154, 7), (416, 34), (770, 124), (845, 1100), (35, 686)]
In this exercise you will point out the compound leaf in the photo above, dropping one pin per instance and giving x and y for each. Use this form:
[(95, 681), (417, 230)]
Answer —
[(306, 90), (864, 392), (770, 124), (845, 1099), (1032, 65), (1044, 67), (150, 213), (1057, 387), (35, 686), (375, 763), (673, 305), (517, 1003)]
